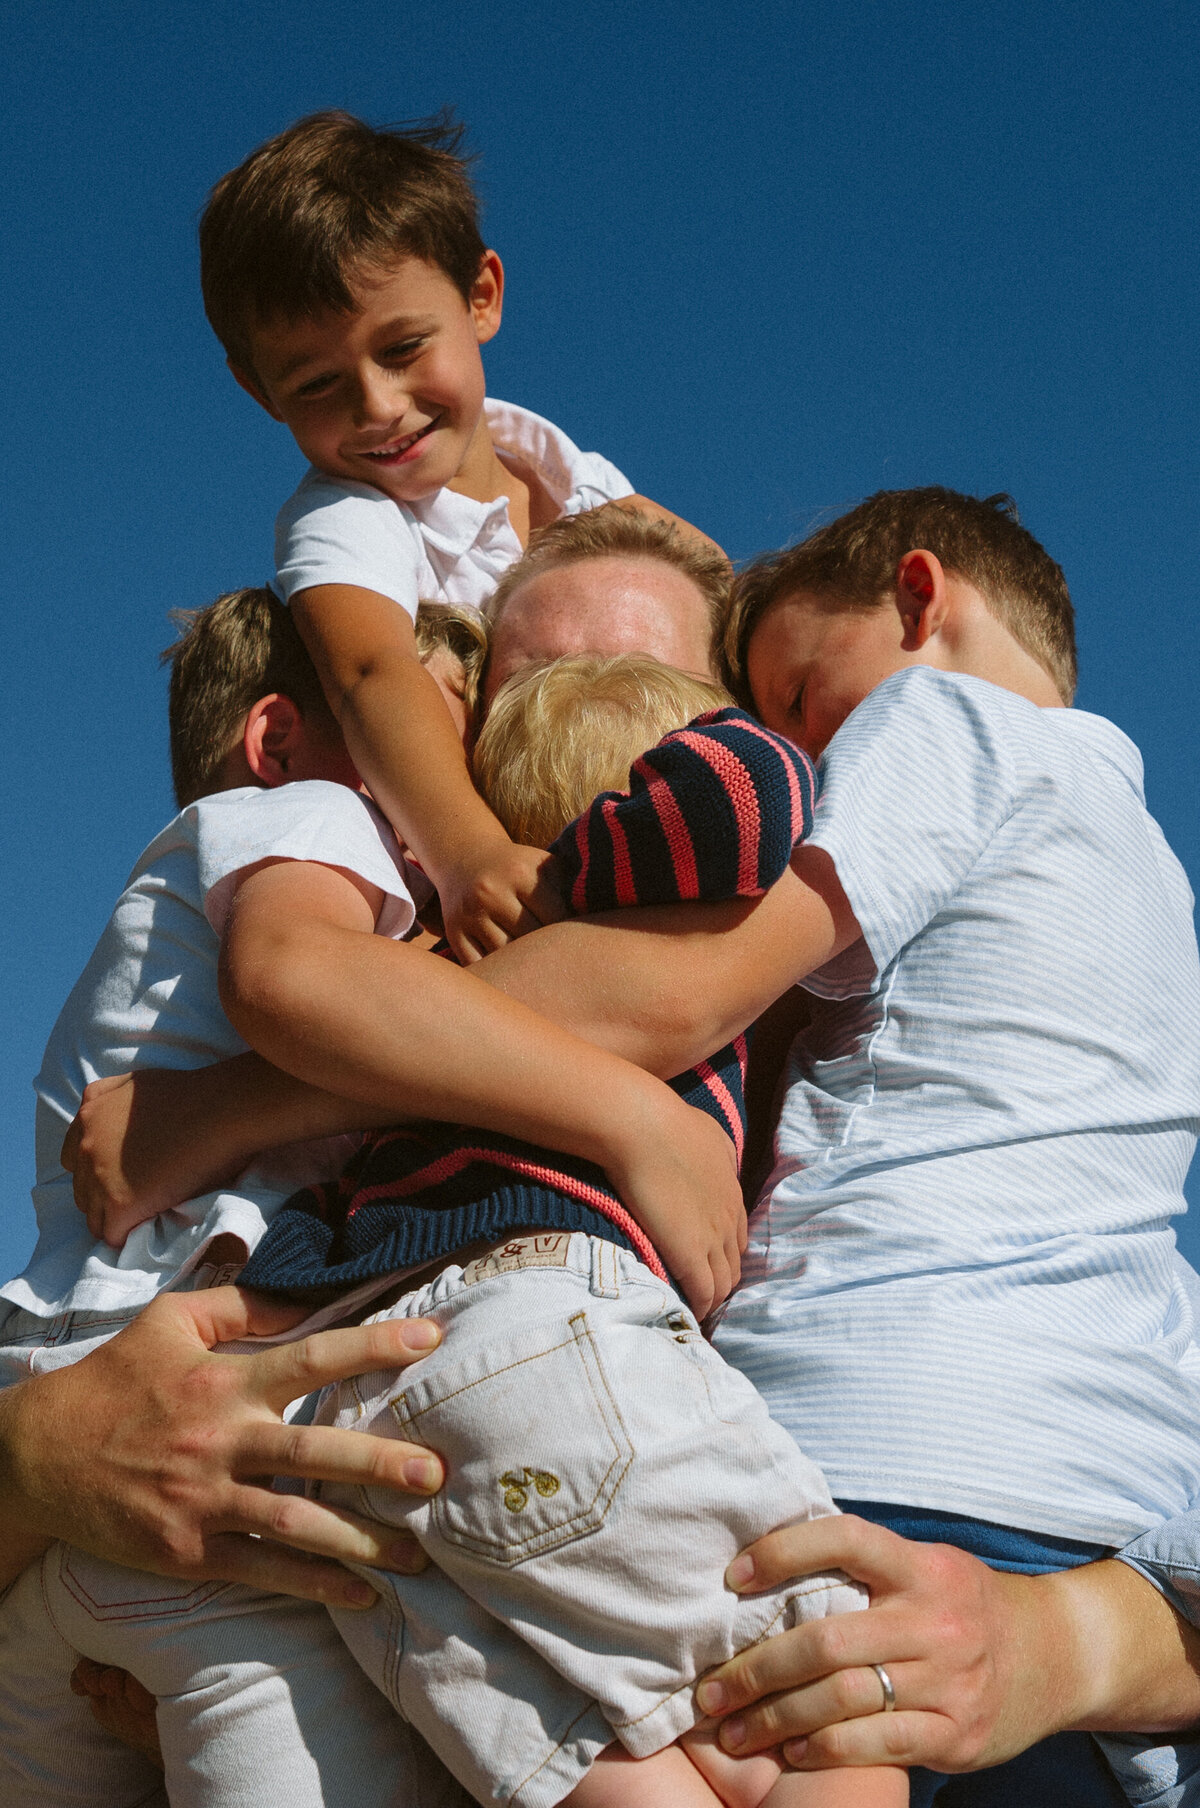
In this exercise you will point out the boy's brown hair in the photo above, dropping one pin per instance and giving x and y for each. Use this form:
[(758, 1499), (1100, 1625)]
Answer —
[(614, 531), (852, 564), (238, 649), (286, 233), (560, 732)]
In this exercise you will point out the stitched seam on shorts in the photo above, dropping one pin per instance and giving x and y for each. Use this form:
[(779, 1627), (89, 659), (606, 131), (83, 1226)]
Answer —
[(766, 1632), (538, 1768), (196, 1597)]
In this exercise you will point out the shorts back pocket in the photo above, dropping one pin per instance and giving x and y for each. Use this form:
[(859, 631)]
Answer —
[(534, 1444)]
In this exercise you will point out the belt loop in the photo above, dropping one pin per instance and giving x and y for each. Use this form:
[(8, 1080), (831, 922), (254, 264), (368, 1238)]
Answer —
[(605, 1282)]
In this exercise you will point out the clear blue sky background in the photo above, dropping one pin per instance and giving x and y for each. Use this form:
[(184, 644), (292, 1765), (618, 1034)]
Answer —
[(765, 258)]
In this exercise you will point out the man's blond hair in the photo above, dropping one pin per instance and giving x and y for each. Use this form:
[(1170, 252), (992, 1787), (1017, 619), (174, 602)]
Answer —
[(616, 532), (560, 732)]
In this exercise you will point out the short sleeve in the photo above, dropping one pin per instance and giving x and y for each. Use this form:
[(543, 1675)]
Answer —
[(712, 812), (913, 788), (310, 820), (347, 533), (596, 482)]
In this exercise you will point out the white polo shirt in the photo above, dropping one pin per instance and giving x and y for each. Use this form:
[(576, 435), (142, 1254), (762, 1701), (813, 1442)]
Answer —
[(148, 998), (961, 1290), (447, 548)]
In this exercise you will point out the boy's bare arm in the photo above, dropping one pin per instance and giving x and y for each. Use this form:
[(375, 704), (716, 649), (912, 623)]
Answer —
[(400, 736), (662, 986), (309, 985), (644, 506)]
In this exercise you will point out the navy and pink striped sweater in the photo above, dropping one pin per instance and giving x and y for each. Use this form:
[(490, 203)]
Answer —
[(713, 812)]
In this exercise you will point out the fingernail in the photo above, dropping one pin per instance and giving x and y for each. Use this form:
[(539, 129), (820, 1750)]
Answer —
[(796, 1750), (423, 1474), (733, 1734), (711, 1697), (740, 1571), (421, 1334), (359, 1594), (406, 1556)]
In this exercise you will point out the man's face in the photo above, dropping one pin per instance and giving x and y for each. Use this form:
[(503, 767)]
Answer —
[(391, 393), (809, 667), (613, 604)]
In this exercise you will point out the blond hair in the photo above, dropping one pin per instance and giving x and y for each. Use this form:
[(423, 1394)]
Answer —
[(462, 632), (616, 532), (560, 732)]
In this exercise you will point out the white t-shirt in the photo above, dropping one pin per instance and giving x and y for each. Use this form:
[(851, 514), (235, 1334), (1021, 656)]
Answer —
[(961, 1290), (448, 548), (148, 998)]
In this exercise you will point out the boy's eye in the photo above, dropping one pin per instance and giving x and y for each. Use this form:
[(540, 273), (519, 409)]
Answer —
[(315, 386), (404, 348)]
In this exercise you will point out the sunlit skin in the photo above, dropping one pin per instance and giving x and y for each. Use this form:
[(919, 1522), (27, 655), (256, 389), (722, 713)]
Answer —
[(609, 605), (390, 393), (811, 663)]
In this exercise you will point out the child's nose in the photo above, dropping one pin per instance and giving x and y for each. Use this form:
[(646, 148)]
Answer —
[(380, 398)]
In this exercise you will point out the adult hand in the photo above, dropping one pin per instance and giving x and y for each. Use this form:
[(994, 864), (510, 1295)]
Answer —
[(983, 1664), (158, 1452)]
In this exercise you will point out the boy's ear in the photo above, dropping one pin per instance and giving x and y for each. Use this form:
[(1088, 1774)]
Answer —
[(487, 298), (920, 597), (246, 380), (271, 738)]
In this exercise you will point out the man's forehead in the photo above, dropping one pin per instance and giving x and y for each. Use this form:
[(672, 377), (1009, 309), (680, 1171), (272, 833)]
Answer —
[(609, 605)]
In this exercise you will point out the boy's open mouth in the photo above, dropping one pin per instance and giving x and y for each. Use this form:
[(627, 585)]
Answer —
[(398, 449)]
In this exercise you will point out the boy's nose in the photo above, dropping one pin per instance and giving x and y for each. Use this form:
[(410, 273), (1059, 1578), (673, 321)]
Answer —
[(380, 399)]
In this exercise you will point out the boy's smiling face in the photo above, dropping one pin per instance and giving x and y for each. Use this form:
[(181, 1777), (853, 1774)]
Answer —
[(390, 394)]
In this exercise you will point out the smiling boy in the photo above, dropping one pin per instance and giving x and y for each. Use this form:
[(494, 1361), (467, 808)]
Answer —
[(344, 273)]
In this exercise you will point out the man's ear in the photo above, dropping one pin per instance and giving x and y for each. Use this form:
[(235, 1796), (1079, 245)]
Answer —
[(487, 298), (271, 739), (245, 379), (920, 597)]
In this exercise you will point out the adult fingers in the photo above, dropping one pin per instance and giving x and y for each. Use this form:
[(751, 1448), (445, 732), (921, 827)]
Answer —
[(881, 1560), (328, 1453), (846, 1694), (289, 1531), (904, 1737), (284, 1373)]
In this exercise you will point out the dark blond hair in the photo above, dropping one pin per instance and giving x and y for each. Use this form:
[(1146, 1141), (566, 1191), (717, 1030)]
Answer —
[(560, 732), (241, 648), (286, 233), (614, 531), (455, 629), (852, 564)]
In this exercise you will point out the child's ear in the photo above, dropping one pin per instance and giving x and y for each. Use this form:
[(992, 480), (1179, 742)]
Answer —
[(271, 739), (920, 597), (487, 298), (245, 379)]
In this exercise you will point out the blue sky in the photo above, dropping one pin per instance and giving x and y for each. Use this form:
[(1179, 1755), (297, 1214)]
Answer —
[(767, 260)]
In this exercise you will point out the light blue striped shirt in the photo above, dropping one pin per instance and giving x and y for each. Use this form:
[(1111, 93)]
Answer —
[(961, 1288)]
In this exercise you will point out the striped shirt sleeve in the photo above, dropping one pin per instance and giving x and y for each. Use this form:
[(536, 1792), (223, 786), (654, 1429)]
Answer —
[(712, 812)]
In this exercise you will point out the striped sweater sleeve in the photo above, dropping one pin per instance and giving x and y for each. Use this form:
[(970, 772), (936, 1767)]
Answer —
[(712, 812)]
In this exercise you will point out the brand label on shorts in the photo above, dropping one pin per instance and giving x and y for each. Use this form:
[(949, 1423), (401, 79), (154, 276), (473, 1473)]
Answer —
[(546, 1251)]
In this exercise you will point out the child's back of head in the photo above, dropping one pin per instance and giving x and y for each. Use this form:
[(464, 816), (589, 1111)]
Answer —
[(558, 733)]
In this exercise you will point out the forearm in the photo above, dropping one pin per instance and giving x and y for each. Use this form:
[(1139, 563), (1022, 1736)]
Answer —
[(1116, 1654), (21, 1539), (666, 986), (425, 1039)]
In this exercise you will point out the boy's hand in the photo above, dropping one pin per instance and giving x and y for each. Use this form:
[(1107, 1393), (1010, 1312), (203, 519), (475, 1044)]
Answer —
[(130, 1154), (680, 1182), (511, 890)]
